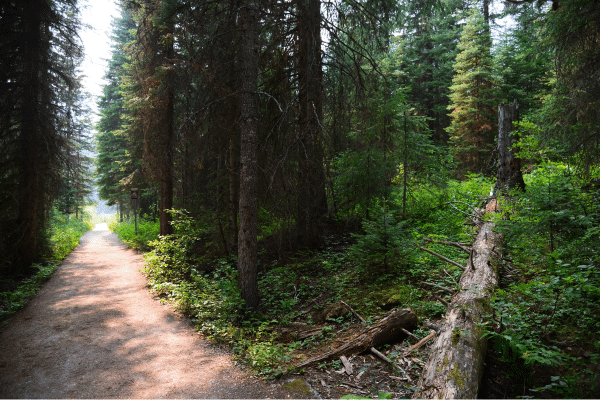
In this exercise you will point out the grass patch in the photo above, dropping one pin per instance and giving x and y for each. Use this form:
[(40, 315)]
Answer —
[(147, 232)]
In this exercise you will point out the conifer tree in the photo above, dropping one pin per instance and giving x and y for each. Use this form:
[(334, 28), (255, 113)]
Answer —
[(39, 51), (113, 162), (428, 56), (473, 97)]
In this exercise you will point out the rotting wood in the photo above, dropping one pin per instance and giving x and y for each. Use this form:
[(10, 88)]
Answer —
[(441, 257), (420, 344), (385, 331), (347, 365), (509, 174), (431, 325), (433, 285), (455, 365)]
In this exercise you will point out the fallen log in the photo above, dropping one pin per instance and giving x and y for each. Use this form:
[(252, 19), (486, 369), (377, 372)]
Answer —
[(455, 364), (385, 331)]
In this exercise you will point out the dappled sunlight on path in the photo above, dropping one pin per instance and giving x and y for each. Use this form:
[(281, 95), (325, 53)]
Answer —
[(95, 331)]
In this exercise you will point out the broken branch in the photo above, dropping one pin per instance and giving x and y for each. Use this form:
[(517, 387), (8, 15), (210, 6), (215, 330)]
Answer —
[(444, 302), (420, 344), (347, 365), (380, 355), (409, 333), (442, 257), (448, 243), (361, 319), (433, 285)]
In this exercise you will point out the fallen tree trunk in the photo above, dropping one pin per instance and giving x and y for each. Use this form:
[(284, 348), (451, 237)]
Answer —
[(455, 364), (383, 332)]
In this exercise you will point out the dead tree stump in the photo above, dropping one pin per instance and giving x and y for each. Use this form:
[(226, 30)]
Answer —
[(509, 165)]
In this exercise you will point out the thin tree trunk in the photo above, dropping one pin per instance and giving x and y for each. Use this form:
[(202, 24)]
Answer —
[(312, 202), (233, 203), (165, 160), (248, 206)]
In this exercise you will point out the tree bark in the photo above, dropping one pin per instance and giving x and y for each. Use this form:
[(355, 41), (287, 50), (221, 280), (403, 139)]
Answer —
[(165, 159), (383, 332), (31, 156), (312, 201), (509, 166), (248, 206), (455, 366)]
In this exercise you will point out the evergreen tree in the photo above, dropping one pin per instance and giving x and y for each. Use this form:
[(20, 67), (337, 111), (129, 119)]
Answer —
[(113, 163), (473, 97), (523, 63), (572, 112), (428, 56), (39, 53)]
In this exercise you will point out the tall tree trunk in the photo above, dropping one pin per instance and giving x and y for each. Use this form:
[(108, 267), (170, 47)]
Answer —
[(233, 192), (312, 202), (509, 165), (248, 206), (165, 148), (30, 139)]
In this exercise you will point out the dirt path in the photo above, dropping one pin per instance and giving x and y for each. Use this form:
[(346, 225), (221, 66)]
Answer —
[(95, 331)]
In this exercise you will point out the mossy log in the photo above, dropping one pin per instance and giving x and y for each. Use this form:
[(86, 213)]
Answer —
[(455, 365), (385, 331)]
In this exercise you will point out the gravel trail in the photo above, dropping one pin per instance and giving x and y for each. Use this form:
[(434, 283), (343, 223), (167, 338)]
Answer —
[(94, 331)]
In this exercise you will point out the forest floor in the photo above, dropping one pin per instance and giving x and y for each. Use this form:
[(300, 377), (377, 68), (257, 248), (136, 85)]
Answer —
[(94, 331)]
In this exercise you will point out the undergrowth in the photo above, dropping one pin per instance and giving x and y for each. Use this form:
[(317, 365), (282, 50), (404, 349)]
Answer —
[(299, 288), (146, 233), (64, 234), (546, 311), (546, 305)]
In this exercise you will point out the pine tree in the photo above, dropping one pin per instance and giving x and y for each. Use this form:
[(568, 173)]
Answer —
[(113, 163), (39, 52), (572, 111), (151, 98), (523, 63), (428, 56), (473, 97)]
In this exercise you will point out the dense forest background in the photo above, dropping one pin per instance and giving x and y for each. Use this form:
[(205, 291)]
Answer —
[(256, 129)]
